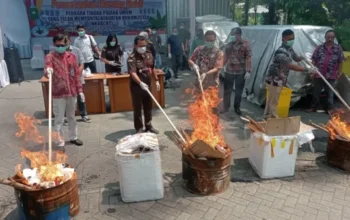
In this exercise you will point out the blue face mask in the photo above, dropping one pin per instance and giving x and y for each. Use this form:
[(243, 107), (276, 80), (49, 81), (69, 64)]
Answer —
[(233, 38), (81, 33), (290, 43), (60, 49), (209, 44)]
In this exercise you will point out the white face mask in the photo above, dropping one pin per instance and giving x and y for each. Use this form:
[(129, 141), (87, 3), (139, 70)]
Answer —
[(141, 50)]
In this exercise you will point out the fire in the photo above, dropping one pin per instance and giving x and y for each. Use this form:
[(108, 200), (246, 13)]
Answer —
[(205, 122), (44, 172), (337, 126)]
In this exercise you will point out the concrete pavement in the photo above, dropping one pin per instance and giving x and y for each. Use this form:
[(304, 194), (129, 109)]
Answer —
[(317, 191)]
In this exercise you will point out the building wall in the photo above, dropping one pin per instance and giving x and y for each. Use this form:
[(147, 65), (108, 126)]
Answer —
[(179, 9)]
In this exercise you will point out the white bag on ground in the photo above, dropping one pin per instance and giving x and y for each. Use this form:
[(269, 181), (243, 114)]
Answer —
[(139, 167)]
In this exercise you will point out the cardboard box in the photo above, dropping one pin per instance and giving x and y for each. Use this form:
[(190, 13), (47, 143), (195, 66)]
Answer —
[(281, 126)]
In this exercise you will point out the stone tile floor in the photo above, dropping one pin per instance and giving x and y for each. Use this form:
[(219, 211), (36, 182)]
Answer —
[(316, 192)]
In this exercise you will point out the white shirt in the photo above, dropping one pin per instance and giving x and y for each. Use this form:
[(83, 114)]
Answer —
[(85, 44)]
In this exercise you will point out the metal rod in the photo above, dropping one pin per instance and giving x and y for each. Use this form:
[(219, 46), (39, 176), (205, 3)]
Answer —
[(166, 116), (328, 84), (50, 117)]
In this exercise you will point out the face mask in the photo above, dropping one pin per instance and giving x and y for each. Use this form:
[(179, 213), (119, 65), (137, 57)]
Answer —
[(290, 43), (182, 27), (141, 50), (81, 33), (112, 43), (175, 33), (60, 49), (209, 44), (154, 32), (233, 38)]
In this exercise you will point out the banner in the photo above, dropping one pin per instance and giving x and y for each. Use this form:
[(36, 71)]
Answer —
[(100, 17)]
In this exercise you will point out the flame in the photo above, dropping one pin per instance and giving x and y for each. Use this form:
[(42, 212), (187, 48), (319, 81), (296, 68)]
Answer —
[(48, 171), (337, 126), (205, 122)]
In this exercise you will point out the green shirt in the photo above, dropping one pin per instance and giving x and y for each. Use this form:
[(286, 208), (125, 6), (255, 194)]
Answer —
[(196, 43)]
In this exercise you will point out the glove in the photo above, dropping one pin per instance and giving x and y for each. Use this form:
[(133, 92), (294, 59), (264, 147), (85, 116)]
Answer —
[(82, 97), (49, 71), (247, 75), (195, 67), (169, 55), (112, 63), (158, 86), (312, 70), (144, 86), (202, 77)]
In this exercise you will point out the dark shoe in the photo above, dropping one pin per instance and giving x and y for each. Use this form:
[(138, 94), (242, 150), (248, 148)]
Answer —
[(86, 119), (176, 76), (140, 131), (77, 142), (310, 110), (65, 122), (152, 130), (238, 111)]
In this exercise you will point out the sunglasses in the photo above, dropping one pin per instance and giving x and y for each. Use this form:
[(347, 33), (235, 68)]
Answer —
[(60, 45)]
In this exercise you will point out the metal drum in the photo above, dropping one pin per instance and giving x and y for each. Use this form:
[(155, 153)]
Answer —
[(206, 177)]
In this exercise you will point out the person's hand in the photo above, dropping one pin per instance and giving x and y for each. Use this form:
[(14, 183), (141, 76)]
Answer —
[(158, 86), (82, 97), (247, 75), (202, 77), (313, 70), (195, 67), (49, 71), (144, 86), (169, 55)]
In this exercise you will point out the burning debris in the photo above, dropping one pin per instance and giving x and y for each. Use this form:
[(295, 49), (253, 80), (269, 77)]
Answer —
[(43, 173), (205, 141), (338, 126)]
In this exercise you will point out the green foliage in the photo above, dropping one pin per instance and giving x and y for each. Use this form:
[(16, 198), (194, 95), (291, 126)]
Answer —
[(158, 22), (343, 35)]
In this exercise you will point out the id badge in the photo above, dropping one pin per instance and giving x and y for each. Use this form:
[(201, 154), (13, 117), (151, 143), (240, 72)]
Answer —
[(72, 72)]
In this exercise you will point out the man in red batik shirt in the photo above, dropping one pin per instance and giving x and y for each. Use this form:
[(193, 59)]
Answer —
[(62, 66)]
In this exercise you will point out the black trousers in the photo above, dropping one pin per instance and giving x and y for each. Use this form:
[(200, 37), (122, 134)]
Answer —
[(141, 100), (176, 63), (82, 107), (92, 66), (319, 84), (239, 82)]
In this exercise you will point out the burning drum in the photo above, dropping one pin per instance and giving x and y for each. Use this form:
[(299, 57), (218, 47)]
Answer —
[(59, 202), (208, 176), (338, 153)]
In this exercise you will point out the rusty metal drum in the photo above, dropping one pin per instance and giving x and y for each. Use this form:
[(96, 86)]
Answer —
[(60, 202), (338, 153), (206, 177)]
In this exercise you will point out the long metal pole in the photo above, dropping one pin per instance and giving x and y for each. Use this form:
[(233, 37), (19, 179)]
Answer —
[(328, 84), (166, 116), (50, 117), (192, 11)]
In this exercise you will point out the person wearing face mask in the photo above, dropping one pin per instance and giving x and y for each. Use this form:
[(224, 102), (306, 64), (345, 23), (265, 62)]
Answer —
[(197, 41), (278, 72), (62, 66), (185, 37), (141, 70), (150, 46), (157, 43), (208, 60), (80, 61), (327, 58), (112, 55), (237, 61), (175, 50), (88, 47)]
